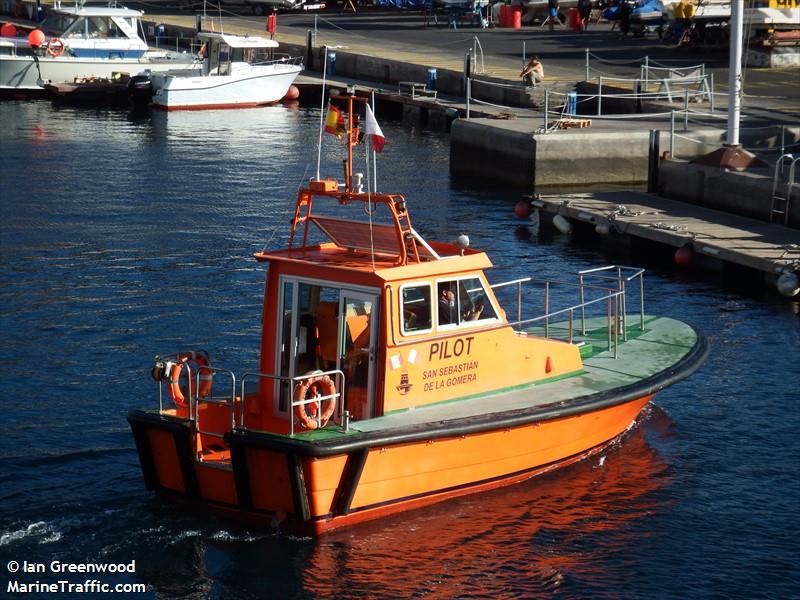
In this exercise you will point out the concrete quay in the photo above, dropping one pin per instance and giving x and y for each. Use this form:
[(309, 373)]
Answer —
[(720, 241), (379, 49), (509, 141)]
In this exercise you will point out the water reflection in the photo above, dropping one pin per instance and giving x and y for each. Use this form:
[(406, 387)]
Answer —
[(516, 542)]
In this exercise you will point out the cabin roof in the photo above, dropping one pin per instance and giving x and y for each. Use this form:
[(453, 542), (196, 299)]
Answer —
[(382, 265), (239, 41), (98, 11)]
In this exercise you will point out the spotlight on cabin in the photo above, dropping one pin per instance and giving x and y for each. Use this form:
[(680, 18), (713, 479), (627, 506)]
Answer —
[(462, 242)]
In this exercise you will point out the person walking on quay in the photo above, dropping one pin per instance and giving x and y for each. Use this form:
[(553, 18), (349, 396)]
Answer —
[(585, 11), (552, 13), (625, 9)]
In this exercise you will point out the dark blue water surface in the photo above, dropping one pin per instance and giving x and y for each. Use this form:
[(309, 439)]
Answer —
[(123, 238)]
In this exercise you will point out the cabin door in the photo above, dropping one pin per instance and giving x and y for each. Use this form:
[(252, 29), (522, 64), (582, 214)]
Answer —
[(324, 328), (357, 359)]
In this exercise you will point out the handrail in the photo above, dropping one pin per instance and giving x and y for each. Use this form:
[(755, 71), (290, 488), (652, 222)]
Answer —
[(637, 272), (615, 294), (337, 396), (197, 400)]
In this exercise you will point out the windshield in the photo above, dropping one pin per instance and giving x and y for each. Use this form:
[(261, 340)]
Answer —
[(56, 23)]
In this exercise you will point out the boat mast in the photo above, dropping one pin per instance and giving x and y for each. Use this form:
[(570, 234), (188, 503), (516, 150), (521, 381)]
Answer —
[(735, 72), (352, 138)]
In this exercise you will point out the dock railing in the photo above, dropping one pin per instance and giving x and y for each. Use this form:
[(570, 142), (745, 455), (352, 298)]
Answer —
[(590, 297)]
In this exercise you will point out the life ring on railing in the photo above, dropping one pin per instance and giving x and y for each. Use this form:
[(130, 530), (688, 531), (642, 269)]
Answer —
[(202, 360), (56, 47), (307, 413)]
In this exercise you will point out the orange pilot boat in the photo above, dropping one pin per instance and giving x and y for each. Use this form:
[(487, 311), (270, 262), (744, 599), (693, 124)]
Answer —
[(391, 377)]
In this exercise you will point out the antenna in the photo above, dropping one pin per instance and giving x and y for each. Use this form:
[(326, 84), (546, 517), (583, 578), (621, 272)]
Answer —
[(322, 110)]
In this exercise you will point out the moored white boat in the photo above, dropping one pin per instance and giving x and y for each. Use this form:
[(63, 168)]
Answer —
[(233, 72), (80, 41)]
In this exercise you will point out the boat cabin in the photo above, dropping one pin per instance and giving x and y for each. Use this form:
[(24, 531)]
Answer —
[(224, 54), (97, 32), (403, 322), (363, 318)]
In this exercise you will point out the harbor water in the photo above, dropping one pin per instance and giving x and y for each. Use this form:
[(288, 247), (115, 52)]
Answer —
[(122, 237)]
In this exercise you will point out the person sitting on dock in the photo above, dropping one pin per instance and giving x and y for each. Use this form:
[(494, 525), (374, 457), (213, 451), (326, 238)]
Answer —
[(533, 72)]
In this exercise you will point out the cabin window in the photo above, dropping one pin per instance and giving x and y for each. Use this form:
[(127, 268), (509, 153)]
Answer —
[(56, 23), (416, 307), (461, 301), (97, 27), (76, 30), (103, 27)]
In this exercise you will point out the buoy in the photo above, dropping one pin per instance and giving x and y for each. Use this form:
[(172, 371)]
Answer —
[(684, 255), (562, 224), (36, 38), (788, 284), (603, 228), (8, 30), (292, 93), (548, 365), (523, 209)]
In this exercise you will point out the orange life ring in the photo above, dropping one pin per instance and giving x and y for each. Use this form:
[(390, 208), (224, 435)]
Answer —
[(202, 360), (307, 413), (56, 47), (203, 49)]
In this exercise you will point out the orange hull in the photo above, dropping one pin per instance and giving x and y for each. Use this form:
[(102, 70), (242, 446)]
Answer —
[(316, 490)]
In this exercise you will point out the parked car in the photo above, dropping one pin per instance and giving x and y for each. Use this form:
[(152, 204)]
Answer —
[(262, 7)]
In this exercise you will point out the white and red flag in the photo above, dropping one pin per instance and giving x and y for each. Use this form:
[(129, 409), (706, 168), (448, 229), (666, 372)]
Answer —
[(373, 130)]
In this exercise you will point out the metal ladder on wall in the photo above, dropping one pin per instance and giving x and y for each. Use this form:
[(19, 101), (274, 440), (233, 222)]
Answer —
[(783, 182)]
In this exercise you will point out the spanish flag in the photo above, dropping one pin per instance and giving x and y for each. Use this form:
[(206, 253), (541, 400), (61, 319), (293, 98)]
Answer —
[(334, 122)]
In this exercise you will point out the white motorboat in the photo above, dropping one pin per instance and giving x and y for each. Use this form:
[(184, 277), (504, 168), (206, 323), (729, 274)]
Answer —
[(233, 72), (77, 42)]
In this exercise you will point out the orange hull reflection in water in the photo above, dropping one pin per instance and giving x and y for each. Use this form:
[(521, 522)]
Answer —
[(513, 542)]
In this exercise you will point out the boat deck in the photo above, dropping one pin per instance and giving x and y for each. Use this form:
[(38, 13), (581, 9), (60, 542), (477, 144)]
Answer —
[(662, 344)]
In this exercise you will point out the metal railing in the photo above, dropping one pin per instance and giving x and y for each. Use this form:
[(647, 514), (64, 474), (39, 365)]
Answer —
[(616, 271), (233, 401), (292, 383), (782, 144), (612, 297)]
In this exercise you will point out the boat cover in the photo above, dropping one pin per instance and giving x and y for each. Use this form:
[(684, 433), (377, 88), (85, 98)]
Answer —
[(239, 41)]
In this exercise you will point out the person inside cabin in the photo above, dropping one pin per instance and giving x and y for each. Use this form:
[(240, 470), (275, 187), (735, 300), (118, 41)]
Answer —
[(533, 71), (474, 312), (447, 305)]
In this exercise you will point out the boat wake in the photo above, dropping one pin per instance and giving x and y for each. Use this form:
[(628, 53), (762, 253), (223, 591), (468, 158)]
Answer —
[(45, 532)]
